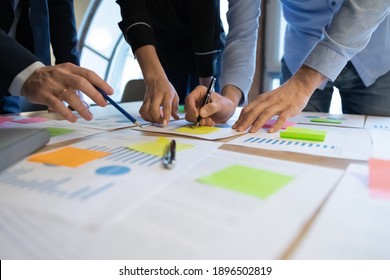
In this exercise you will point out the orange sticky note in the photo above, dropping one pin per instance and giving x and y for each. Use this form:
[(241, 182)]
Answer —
[(68, 156), (378, 181)]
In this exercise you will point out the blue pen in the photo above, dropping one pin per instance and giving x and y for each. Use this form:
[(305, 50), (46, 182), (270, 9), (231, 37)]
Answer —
[(120, 109)]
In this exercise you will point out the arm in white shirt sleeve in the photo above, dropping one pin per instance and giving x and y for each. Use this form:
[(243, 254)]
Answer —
[(239, 55), (17, 83), (347, 34)]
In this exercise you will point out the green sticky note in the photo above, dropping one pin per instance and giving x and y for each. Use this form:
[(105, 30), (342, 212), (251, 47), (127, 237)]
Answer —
[(248, 180), (326, 121), (303, 133), (57, 131), (181, 108)]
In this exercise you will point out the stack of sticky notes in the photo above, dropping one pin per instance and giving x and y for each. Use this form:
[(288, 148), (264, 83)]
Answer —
[(319, 120), (303, 133)]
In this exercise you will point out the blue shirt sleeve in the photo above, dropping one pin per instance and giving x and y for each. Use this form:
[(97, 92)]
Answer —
[(346, 35)]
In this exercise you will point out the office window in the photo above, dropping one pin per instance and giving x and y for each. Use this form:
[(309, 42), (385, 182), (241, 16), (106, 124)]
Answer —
[(104, 50)]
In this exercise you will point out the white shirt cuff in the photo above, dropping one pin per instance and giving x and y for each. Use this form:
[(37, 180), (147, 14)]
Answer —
[(16, 86)]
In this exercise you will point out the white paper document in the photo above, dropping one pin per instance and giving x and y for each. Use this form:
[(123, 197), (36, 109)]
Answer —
[(28, 235), (59, 131), (352, 224), (108, 122), (195, 220), (109, 118), (182, 127), (347, 143), (381, 143), (326, 119), (375, 122), (97, 191)]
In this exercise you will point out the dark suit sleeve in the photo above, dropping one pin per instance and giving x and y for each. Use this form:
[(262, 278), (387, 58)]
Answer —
[(14, 58), (63, 31), (206, 29), (136, 24)]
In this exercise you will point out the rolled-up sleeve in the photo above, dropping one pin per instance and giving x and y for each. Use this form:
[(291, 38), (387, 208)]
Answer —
[(136, 24), (239, 55), (347, 34)]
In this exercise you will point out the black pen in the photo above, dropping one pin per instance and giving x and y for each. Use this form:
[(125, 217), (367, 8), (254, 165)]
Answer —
[(169, 159), (207, 98), (120, 109)]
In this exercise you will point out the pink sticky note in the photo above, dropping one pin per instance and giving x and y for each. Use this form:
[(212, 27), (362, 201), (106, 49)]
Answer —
[(378, 179), (30, 120), (271, 122), (5, 119)]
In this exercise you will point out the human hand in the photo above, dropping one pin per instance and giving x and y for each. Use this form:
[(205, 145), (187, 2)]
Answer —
[(52, 85), (286, 101), (218, 110), (81, 96), (205, 81), (160, 92)]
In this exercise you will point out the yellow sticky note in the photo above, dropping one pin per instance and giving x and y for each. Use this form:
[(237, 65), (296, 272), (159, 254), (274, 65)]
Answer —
[(68, 156), (158, 147), (197, 130)]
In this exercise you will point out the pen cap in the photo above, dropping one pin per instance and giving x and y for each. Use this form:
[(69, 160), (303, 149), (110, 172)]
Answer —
[(172, 147), (211, 86), (169, 159)]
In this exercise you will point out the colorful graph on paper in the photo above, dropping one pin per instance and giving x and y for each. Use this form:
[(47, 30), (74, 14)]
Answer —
[(349, 143), (182, 127), (106, 177), (109, 122), (60, 131), (374, 122), (325, 119), (231, 196)]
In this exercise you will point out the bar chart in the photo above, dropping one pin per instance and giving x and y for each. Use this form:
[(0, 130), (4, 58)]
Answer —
[(126, 155), (96, 178), (351, 143), (56, 187), (301, 144)]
